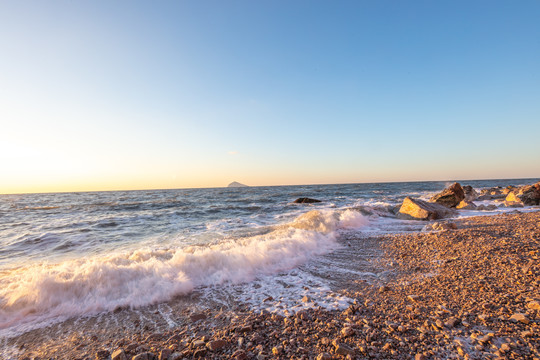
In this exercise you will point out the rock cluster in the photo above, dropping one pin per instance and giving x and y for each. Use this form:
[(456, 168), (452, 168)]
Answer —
[(422, 210), (451, 196), (528, 195)]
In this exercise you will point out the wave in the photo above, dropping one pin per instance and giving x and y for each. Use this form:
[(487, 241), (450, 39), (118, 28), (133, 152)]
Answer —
[(36, 295)]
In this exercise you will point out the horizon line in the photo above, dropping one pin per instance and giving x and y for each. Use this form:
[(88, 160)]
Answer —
[(257, 186)]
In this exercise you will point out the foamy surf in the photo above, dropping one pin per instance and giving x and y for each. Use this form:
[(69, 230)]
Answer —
[(37, 295)]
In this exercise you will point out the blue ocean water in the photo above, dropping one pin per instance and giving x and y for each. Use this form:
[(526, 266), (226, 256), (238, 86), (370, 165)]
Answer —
[(71, 254)]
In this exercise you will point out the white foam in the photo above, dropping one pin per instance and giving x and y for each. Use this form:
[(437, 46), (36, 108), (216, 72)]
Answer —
[(36, 295)]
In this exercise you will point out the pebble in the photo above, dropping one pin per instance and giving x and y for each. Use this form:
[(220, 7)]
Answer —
[(324, 356), (216, 345), (144, 356), (119, 354), (197, 317), (240, 355), (534, 305), (102, 354), (342, 349), (520, 318)]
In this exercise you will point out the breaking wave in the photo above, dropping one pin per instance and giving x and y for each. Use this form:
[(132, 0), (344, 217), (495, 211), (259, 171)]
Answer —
[(40, 294)]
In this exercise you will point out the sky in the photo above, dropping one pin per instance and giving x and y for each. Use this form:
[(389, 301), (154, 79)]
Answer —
[(120, 95)]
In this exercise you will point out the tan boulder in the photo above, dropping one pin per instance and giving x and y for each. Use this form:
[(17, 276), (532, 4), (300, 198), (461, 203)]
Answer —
[(466, 205), (449, 197), (508, 189), (414, 209)]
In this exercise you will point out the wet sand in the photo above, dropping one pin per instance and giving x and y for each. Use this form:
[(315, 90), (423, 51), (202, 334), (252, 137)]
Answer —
[(471, 292)]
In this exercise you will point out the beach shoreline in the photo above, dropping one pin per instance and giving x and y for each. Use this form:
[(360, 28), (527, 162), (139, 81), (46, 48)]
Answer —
[(470, 292)]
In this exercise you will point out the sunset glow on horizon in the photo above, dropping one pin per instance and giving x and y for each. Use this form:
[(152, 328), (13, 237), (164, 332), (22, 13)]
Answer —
[(134, 95)]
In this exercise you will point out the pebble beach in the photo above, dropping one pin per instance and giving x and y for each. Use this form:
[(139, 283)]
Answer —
[(469, 291)]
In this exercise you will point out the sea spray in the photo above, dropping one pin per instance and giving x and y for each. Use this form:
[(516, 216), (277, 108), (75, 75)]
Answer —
[(45, 292)]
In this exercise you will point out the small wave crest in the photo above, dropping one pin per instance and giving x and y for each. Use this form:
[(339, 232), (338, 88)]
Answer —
[(35, 295)]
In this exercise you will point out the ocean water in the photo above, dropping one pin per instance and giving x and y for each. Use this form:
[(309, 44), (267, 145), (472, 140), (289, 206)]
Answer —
[(68, 255)]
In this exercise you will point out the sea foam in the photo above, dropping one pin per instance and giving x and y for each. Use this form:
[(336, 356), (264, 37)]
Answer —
[(36, 295)]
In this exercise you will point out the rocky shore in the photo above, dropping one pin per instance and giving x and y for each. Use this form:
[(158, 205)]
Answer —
[(469, 291)]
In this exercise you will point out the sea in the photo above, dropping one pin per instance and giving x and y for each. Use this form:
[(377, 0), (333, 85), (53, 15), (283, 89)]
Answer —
[(84, 255)]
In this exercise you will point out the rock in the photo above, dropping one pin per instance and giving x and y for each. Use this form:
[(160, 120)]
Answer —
[(175, 356), (144, 356), (236, 184), (197, 343), (102, 354), (276, 350), (174, 339), (240, 355), (450, 197), (470, 193), (452, 322), (423, 210), (413, 298), (197, 317), (164, 354), (491, 194), (347, 331), (199, 353), (153, 337), (466, 205), (439, 226), (534, 305), (384, 288), (486, 338), (131, 347), (528, 195), (216, 345), (119, 354), (508, 189), (324, 356), (306, 299), (305, 200), (342, 349), (517, 317), (490, 207)]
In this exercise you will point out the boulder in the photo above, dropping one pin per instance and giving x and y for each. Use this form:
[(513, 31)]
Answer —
[(470, 193), (414, 209), (466, 205), (449, 197), (491, 194), (486, 207), (508, 189), (525, 195), (305, 200)]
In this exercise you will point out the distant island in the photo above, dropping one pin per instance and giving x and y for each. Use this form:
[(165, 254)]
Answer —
[(236, 184)]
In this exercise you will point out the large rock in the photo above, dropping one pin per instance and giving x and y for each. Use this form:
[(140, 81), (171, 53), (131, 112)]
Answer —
[(466, 205), (449, 197), (470, 193), (493, 193), (526, 195), (305, 200), (413, 209)]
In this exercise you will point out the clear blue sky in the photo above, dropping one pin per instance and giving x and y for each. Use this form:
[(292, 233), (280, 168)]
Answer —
[(128, 95)]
